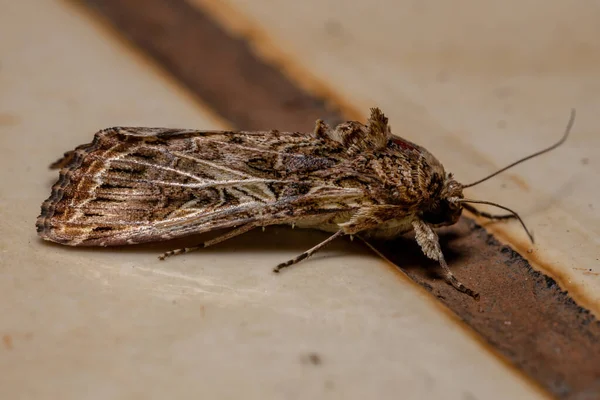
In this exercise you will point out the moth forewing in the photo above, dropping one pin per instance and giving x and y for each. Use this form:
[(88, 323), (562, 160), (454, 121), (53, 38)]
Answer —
[(135, 185)]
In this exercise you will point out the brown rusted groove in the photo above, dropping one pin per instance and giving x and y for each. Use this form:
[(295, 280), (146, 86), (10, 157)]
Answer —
[(523, 314), (220, 69)]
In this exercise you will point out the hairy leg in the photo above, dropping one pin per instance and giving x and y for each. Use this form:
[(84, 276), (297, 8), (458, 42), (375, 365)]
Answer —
[(309, 252), (430, 244)]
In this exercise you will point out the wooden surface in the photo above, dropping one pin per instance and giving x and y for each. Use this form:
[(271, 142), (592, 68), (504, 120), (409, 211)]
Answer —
[(120, 324)]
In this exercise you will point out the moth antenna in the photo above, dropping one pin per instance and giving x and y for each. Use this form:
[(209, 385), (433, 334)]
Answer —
[(555, 145), (457, 200)]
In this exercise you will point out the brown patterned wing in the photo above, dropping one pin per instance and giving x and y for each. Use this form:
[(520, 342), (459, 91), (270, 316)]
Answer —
[(134, 185)]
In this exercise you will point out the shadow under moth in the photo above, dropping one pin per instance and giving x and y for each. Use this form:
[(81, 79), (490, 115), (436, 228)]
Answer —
[(135, 185)]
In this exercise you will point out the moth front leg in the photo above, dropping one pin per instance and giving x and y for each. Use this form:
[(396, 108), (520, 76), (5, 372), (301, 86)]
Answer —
[(430, 244)]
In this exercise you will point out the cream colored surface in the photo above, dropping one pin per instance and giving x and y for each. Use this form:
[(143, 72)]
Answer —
[(118, 323), (480, 84)]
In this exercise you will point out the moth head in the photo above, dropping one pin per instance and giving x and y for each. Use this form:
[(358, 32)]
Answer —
[(443, 209), (447, 207)]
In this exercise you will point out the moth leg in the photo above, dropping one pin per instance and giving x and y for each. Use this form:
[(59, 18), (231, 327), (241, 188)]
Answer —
[(493, 217), (430, 244), (308, 253), (228, 235)]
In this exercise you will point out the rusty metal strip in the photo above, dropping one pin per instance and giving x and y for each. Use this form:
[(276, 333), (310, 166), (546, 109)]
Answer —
[(220, 69), (523, 314)]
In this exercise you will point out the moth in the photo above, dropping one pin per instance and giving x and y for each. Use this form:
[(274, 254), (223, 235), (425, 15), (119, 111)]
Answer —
[(135, 185)]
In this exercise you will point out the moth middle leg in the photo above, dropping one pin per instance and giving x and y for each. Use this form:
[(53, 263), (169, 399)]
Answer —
[(228, 235), (364, 218)]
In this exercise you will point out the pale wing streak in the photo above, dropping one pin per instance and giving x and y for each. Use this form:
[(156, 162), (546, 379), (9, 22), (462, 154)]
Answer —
[(246, 193), (276, 152), (250, 178), (189, 209), (198, 215), (211, 183), (213, 165), (184, 210), (337, 191), (115, 223), (162, 167), (254, 149)]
